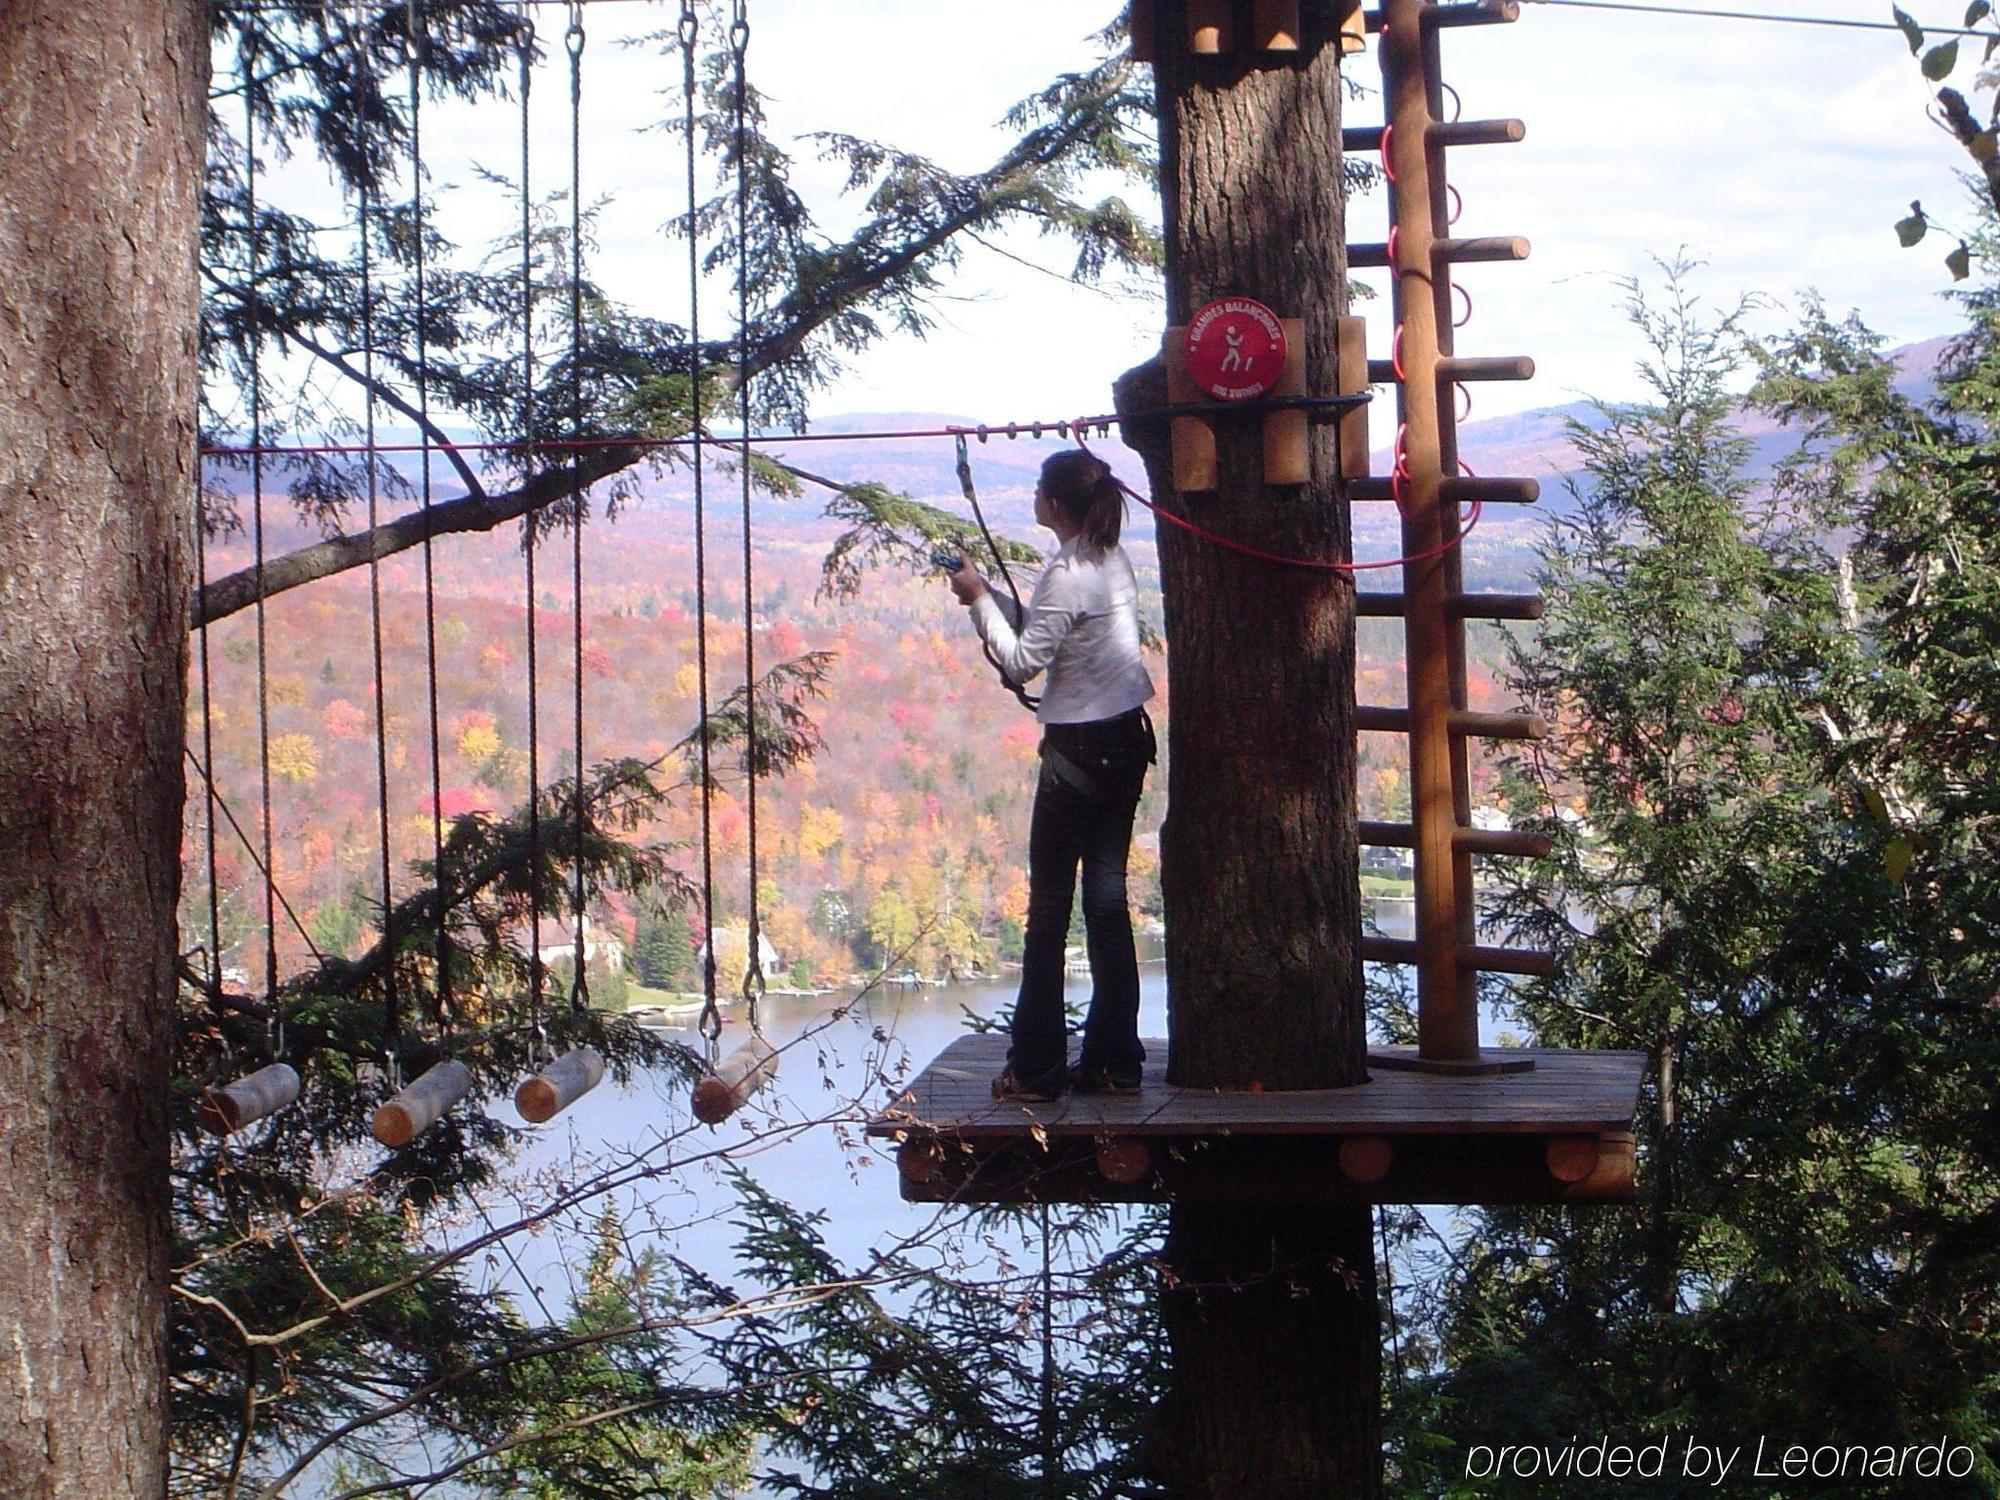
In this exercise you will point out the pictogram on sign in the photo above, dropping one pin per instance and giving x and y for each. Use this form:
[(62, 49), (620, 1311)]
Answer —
[(1235, 349)]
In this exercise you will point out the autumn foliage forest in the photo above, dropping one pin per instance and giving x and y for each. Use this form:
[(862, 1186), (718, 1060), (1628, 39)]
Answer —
[(904, 836)]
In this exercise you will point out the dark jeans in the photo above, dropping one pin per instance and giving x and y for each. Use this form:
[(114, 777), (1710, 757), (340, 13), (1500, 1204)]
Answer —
[(1084, 801)]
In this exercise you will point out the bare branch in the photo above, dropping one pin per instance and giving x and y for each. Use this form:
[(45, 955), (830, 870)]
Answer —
[(239, 590)]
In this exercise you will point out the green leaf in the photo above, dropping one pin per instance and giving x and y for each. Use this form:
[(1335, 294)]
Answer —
[(1910, 230), (1959, 262), (1912, 32), (1896, 856), (1940, 60), (1978, 11)]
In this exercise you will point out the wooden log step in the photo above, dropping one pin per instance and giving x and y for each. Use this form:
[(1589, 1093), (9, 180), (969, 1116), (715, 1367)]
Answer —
[(559, 1085), (226, 1110), (735, 1079), (1464, 840), (1463, 490), (422, 1104), (1459, 721), (1458, 607), (1442, 133), (1374, 254), (1487, 960)]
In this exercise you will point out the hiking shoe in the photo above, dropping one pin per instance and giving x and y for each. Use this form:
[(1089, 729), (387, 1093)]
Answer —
[(1010, 1085), (1090, 1078)]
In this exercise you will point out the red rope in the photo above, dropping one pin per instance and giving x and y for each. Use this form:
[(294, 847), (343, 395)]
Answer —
[(1216, 539)]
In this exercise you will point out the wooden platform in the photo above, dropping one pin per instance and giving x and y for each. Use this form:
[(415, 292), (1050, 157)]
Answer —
[(1559, 1132)]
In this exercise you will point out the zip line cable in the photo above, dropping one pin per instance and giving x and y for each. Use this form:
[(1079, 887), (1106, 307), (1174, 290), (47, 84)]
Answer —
[(579, 987), (1754, 15)]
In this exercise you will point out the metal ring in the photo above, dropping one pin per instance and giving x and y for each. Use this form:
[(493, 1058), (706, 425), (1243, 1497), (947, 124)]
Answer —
[(1459, 290)]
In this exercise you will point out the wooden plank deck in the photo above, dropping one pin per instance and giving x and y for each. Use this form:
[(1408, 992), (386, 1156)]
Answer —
[(1565, 1093)]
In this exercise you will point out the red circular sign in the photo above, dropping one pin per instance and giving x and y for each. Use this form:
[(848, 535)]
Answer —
[(1235, 349)]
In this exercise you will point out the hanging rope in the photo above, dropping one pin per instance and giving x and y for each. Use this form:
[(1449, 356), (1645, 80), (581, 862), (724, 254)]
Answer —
[(275, 1025), (535, 975), (710, 1024), (739, 44), (1026, 699), (412, 34), (579, 989), (391, 1002)]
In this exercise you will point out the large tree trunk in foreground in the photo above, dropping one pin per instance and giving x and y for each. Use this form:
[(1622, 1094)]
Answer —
[(1271, 1312), (102, 110)]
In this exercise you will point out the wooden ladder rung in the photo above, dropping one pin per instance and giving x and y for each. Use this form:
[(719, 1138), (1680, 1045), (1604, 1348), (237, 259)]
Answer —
[(1442, 133), (1382, 950), (1463, 490), (1452, 367), (1485, 13), (1464, 840), (1458, 721), (1374, 254), (1382, 606)]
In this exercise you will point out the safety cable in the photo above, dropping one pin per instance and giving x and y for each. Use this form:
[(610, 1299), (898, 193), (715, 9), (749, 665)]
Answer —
[(1027, 700), (739, 45), (710, 1024), (579, 987), (535, 974), (414, 30), (392, 1018), (275, 1026)]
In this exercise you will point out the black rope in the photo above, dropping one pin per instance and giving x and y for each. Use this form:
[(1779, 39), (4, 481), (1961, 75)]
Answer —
[(441, 998), (391, 1001), (250, 848), (1389, 1288), (1027, 700), (207, 763), (739, 43), (579, 988), (535, 976), (254, 254), (710, 1024), (1051, 1433)]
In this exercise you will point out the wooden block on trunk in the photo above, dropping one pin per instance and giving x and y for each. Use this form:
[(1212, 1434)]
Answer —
[(1208, 27), (1353, 29), (1351, 380), (1275, 26), (1193, 438), (1287, 451), (1145, 31)]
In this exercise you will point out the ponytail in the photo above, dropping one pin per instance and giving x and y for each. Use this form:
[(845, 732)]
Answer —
[(1082, 486)]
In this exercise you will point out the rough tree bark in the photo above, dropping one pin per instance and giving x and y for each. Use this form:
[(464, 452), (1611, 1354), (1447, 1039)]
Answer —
[(102, 111), (1271, 1313)]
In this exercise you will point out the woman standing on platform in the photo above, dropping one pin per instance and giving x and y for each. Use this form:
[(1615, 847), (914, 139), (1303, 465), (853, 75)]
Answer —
[(1082, 625)]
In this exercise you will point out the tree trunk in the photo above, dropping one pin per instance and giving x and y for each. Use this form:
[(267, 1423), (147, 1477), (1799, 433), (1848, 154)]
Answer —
[(1271, 1313), (102, 114)]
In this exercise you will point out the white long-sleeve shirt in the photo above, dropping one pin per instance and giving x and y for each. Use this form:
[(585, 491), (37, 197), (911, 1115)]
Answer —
[(1083, 626)]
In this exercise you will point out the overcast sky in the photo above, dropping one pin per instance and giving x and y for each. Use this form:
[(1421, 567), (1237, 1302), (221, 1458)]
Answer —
[(1779, 155)]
